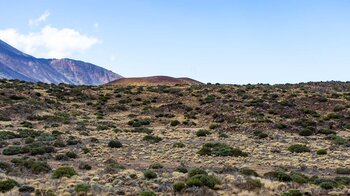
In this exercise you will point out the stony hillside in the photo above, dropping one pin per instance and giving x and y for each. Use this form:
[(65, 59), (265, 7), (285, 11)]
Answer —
[(184, 140), (154, 81)]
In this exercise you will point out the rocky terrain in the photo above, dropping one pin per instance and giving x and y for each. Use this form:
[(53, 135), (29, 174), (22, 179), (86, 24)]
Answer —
[(174, 140), (15, 64)]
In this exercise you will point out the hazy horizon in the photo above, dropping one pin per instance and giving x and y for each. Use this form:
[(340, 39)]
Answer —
[(236, 42)]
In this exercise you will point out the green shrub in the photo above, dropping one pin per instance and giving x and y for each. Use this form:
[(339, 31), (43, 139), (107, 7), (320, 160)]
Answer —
[(223, 135), (115, 144), (7, 185), (174, 123), (61, 157), (26, 189), (179, 186), (250, 184), (260, 134), (85, 166), (113, 166), (64, 172), (82, 188), (343, 170), (293, 192), (71, 155), (218, 149), (202, 133), (194, 182), (343, 180), (156, 166), (214, 126), (5, 135), (179, 145), (248, 172), (299, 178), (181, 169), (152, 138), (208, 181), (35, 167), (147, 193), (196, 171), (279, 175), (328, 185), (149, 174), (305, 132), (14, 150), (298, 148), (5, 166), (321, 152)]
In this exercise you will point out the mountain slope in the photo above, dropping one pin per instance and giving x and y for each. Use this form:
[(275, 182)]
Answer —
[(15, 64)]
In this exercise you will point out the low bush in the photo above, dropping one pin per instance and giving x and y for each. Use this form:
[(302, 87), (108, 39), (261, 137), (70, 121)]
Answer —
[(298, 148), (26, 189), (293, 192), (7, 185), (152, 138), (156, 166), (174, 123), (179, 186), (147, 193), (115, 144), (279, 175), (343, 170), (321, 152), (64, 172), (202, 133), (149, 174), (35, 167), (248, 172), (196, 171), (82, 188), (218, 149), (179, 145)]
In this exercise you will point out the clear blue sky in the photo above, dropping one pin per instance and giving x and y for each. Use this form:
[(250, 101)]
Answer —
[(226, 41)]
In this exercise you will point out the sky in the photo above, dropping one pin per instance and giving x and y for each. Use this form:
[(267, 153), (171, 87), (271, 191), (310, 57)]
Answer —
[(224, 41)]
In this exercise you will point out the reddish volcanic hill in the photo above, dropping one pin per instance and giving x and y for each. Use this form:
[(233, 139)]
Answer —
[(154, 80)]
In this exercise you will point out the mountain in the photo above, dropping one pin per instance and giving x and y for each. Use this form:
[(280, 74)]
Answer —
[(154, 80), (15, 64)]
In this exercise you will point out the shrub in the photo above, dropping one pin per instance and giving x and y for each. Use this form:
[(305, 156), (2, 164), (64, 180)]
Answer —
[(194, 182), (326, 131), (181, 169), (179, 186), (298, 148), (174, 123), (250, 184), (321, 152), (223, 135), (13, 150), (149, 174), (82, 188), (278, 175), (113, 166), (293, 192), (343, 170), (260, 134), (248, 172), (342, 180), (7, 185), (156, 166), (115, 144), (305, 132), (5, 166), (61, 157), (206, 180), (299, 178), (218, 149), (179, 145), (196, 171), (36, 167), (202, 133), (5, 135), (152, 138), (85, 166), (71, 154), (64, 172), (147, 193), (328, 185), (26, 189)]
